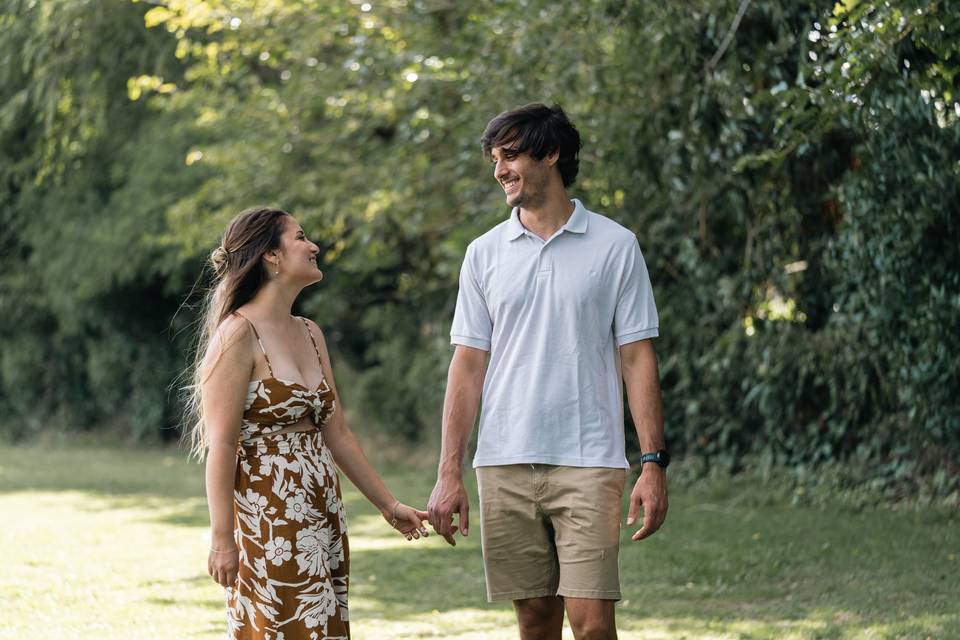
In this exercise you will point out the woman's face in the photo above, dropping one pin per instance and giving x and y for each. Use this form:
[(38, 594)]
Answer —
[(297, 255)]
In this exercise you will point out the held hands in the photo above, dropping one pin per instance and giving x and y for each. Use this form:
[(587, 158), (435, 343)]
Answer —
[(406, 520), (650, 492), (449, 497)]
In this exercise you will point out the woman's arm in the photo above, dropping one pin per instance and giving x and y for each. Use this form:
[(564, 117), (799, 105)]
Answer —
[(225, 375), (349, 456)]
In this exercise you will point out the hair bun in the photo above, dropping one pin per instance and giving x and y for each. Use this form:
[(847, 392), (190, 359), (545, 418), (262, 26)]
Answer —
[(220, 260)]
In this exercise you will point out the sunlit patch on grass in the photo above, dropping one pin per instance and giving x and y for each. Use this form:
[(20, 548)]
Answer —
[(458, 623), (112, 544)]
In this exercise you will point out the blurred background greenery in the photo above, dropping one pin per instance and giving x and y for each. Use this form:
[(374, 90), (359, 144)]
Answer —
[(792, 171)]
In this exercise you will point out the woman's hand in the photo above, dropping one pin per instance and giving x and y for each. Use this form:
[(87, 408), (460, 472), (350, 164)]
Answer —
[(223, 565), (407, 520)]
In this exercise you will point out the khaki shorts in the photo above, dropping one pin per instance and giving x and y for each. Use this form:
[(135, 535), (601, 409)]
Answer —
[(548, 530)]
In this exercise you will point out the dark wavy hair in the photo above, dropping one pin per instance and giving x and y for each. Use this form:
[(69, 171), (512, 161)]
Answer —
[(538, 130)]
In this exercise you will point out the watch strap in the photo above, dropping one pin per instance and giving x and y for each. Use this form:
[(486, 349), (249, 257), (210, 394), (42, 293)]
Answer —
[(661, 457)]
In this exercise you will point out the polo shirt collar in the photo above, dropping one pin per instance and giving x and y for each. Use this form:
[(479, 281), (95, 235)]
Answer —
[(576, 223), (515, 228)]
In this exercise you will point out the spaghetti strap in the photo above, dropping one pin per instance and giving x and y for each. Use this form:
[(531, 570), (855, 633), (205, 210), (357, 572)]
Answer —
[(313, 340), (259, 342)]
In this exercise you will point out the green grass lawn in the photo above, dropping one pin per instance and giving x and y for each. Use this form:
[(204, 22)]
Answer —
[(110, 543)]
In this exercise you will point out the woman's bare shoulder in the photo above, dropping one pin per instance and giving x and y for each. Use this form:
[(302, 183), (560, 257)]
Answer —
[(314, 327), (231, 340), (317, 333)]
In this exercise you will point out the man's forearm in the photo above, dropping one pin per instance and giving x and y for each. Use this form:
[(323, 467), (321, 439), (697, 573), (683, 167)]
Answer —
[(642, 380), (460, 403)]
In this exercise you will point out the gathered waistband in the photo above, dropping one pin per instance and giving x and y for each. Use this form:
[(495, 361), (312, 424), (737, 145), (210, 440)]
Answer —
[(281, 443)]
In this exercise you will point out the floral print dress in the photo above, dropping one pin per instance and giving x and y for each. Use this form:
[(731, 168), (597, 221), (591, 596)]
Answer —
[(289, 524)]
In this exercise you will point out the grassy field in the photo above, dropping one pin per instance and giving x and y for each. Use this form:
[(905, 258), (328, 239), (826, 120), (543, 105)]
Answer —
[(110, 543)]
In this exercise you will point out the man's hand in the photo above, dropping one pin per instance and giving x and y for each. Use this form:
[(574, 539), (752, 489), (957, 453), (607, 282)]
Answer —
[(449, 497), (650, 492)]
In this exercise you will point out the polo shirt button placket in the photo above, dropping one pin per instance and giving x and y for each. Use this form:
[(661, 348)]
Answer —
[(541, 271)]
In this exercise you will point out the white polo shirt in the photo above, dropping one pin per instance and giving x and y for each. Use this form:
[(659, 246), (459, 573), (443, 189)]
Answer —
[(552, 315)]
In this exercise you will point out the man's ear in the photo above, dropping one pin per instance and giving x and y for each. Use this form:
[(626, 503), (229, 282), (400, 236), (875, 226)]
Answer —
[(552, 157)]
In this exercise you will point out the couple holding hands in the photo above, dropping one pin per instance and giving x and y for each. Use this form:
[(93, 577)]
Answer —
[(554, 315)]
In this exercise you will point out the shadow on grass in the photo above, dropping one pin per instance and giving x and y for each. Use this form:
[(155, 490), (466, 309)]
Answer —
[(164, 473), (205, 603), (730, 559), (453, 578)]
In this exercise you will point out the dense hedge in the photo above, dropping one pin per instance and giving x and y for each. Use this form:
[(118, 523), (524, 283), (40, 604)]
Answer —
[(791, 170)]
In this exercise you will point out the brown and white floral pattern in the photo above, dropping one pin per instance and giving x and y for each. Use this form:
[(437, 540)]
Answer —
[(273, 404), (291, 532), (289, 522)]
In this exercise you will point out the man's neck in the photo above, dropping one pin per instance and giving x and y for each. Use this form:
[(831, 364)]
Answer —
[(546, 219)]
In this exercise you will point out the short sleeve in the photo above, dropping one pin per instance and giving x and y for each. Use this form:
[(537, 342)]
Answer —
[(636, 313), (472, 326)]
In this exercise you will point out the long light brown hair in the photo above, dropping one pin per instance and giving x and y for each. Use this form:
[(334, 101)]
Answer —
[(239, 273)]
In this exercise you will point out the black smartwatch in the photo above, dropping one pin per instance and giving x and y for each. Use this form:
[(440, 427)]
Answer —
[(661, 457)]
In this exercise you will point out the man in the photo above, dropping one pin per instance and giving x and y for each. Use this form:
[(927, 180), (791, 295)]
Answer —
[(560, 299)]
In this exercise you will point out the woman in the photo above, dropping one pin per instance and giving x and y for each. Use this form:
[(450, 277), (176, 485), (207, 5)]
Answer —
[(271, 423)]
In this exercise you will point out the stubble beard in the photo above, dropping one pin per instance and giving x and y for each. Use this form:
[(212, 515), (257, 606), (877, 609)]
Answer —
[(533, 197)]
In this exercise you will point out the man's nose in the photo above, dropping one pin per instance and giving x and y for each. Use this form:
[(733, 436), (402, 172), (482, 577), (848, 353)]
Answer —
[(499, 170)]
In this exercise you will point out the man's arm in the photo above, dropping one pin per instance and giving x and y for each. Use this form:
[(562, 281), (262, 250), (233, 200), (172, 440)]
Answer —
[(639, 364), (464, 387)]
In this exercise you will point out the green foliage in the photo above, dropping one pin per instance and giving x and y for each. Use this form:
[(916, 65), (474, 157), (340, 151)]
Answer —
[(84, 184), (791, 171)]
